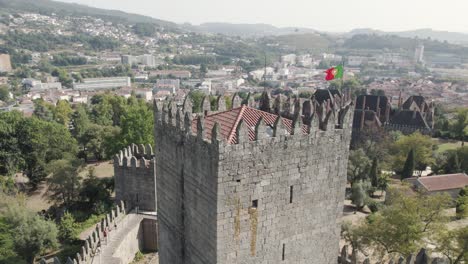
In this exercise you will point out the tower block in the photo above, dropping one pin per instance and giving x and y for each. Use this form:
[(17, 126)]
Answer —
[(249, 186)]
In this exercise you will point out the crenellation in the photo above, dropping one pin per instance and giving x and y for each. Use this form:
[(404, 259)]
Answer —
[(236, 101), (206, 105), (215, 133), (221, 103)]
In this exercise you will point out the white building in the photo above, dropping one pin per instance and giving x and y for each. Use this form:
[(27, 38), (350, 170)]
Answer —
[(205, 86), (146, 60), (289, 59), (103, 83), (304, 60), (419, 54)]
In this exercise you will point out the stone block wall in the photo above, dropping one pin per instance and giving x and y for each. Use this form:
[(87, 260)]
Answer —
[(276, 199), (135, 180), (280, 198), (186, 169)]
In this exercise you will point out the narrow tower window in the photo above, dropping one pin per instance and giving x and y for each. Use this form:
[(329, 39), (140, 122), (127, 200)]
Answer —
[(284, 250), (291, 193), (254, 203)]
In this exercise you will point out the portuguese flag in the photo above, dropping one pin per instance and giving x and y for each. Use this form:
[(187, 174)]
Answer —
[(334, 73)]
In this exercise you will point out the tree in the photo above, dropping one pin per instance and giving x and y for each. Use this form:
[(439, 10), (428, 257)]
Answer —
[(62, 112), (43, 110), (203, 70), (462, 203), (64, 182), (453, 244), (101, 141), (459, 126), (421, 145), (41, 142), (358, 195), (63, 77), (144, 29), (32, 234), (68, 228), (137, 125), (403, 223), (358, 165), (4, 93), (96, 190), (374, 173), (10, 153), (197, 98), (408, 169)]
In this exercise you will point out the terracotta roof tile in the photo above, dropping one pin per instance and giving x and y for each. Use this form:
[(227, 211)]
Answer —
[(444, 182), (229, 120)]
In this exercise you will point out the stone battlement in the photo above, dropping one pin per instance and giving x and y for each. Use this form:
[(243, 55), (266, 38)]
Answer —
[(138, 156), (282, 118), (135, 179)]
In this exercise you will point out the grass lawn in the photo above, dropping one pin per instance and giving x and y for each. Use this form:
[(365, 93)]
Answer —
[(104, 169), (444, 145)]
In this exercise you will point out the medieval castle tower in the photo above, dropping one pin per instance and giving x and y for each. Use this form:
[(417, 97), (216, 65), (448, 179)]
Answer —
[(135, 178), (246, 185)]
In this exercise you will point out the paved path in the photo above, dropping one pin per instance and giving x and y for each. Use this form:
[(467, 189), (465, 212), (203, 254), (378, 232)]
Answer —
[(115, 238)]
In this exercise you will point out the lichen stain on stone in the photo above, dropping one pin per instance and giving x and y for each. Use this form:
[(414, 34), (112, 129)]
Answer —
[(253, 229), (237, 226)]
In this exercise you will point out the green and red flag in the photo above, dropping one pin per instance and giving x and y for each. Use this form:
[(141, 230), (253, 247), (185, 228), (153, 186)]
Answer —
[(334, 73)]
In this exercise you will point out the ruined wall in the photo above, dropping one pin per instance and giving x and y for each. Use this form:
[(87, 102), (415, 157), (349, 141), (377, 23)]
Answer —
[(276, 199), (135, 180)]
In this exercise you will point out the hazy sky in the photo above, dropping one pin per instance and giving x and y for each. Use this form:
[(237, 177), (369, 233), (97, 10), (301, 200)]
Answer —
[(329, 15)]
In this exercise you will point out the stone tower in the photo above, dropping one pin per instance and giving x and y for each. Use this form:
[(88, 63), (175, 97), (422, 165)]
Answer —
[(248, 186), (135, 181)]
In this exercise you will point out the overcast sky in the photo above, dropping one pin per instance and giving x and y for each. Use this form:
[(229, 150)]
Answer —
[(327, 15)]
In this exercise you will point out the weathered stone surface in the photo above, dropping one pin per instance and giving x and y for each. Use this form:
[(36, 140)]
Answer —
[(272, 200), (135, 180)]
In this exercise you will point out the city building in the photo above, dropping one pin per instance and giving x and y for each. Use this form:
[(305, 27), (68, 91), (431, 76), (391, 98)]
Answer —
[(448, 183), (171, 73), (171, 85), (146, 60), (103, 83), (415, 114), (5, 63), (289, 59), (419, 54)]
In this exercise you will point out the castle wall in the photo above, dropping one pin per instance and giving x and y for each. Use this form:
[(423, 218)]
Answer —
[(135, 181), (186, 168), (225, 204), (299, 183)]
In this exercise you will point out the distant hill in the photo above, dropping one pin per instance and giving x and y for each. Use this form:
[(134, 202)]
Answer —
[(453, 37), (70, 9), (397, 43), (250, 30)]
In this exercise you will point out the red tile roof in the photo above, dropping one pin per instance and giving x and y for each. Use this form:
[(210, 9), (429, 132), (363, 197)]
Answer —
[(444, 182), (229, 120)]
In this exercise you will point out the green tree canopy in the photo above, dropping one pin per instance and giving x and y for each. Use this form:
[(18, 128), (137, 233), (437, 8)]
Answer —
[(420, 144), (137, 125), (403, 223), (358, 165), (408, 168)]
